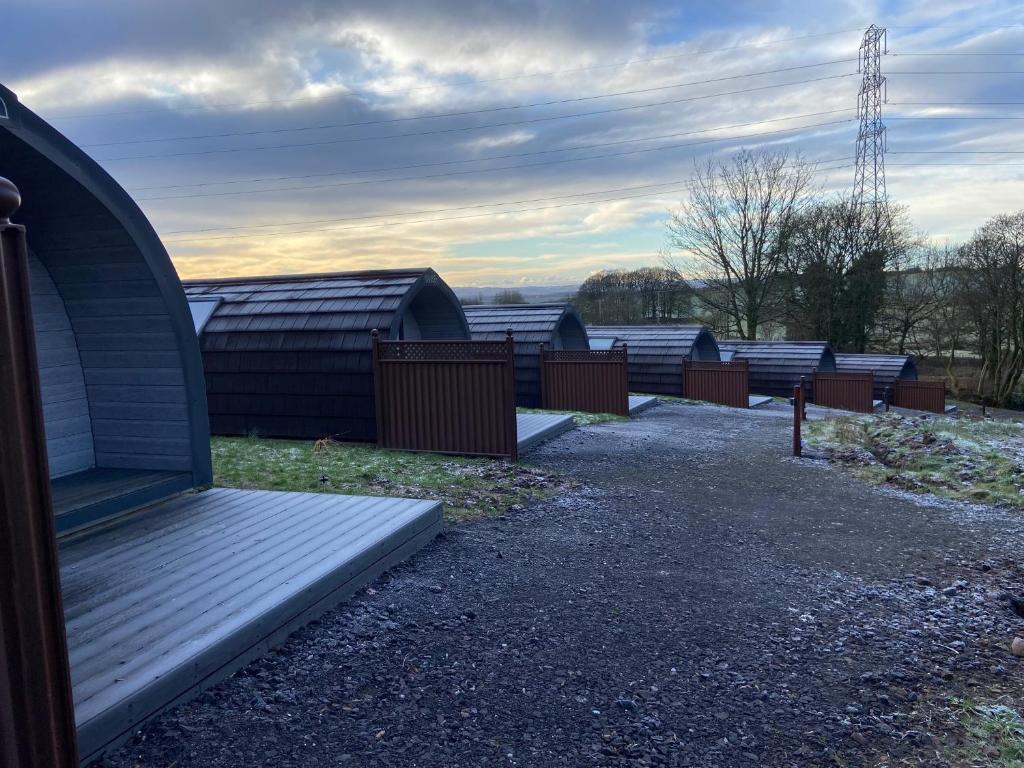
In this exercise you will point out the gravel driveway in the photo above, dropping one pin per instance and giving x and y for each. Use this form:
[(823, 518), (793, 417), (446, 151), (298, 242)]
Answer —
[(702, 600)]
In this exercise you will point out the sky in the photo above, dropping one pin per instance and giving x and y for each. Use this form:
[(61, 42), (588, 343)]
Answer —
[(510, 142)]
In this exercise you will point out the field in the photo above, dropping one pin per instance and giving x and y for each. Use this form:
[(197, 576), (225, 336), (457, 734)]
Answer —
[(468, 487), (966, 459)]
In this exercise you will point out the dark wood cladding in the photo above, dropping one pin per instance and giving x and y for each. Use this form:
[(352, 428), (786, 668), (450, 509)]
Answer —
[(446, 397), (555, 325), (845, 391), (593, 381), (290, 356), (776, 366), (724, 383), (37, 721), (888, 369), (657, 352), (922, 395)]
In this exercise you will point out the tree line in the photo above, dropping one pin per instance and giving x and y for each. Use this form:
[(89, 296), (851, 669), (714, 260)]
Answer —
[(755, 252)]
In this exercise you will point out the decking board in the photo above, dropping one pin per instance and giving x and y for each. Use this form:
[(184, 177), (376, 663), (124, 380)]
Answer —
[(534, 428), (170, 600)]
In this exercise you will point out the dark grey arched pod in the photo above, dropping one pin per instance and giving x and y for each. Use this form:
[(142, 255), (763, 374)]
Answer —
[(291, 355), (887, 369), (776, 366), (120, 371), (555, 325), (657, 352)]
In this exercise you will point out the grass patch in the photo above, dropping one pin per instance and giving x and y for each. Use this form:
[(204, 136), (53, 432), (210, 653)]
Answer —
[(993, 735), (582, 418), (967, 459), (468, 487)]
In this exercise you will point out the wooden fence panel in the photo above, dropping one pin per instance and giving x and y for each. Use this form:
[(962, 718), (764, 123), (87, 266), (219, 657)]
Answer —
[(594, 381), (446, 396), (846, 391), (922, 395), (724, 383)]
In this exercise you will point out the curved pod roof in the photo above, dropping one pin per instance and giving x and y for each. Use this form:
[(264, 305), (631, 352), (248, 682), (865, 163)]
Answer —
[(887, 368), (657, 352), (120, 369), (555, 325), (776, 366), (291, 355)]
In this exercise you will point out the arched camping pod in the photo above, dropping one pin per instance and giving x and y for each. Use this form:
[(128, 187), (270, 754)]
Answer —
[(291, 356), (124, 406), (656, 353), (555, 325), (887, 369), (776, 366)]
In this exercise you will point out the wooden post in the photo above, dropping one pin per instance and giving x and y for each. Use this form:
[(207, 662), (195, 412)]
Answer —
[(798, 407), (803, 398), (378, 387), (887, 395), (511, 428), (37, 715)]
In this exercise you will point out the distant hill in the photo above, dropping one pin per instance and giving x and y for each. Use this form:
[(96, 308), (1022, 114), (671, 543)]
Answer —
[(534, 294)]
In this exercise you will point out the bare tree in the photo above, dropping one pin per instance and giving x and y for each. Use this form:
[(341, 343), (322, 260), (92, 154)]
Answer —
[(731, 233), (509, 296), (993, 271), (836, 264)]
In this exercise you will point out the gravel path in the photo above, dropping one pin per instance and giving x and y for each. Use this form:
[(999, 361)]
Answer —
[(701, 601)]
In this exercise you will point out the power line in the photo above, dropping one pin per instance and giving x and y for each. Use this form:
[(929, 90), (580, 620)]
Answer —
[(460, 129), (954, 103), (464, 113), (682, 185), (304, 222), (486, 158), (957, 152), (361, 182), (960, 72), (954, 53), (376, 93)]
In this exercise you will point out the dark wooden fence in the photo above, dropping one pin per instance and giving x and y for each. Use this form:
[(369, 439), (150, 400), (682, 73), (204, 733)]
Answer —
[(595, 381), (724, 383), (446, 396), (921, 395), (846, 391), (37, 718)]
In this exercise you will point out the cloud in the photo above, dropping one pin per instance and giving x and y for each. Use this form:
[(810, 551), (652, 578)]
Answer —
[(267, 85)]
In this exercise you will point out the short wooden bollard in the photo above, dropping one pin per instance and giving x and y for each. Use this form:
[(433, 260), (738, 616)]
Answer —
[(798, 416)]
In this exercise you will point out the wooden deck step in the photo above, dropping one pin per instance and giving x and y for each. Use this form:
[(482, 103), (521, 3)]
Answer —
[(534, 428), (169, 600)]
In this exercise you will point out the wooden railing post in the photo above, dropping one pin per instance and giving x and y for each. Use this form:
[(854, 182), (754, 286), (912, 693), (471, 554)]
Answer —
[(37, 716), (510, 396), (378, 386), (798, 416), (803, 398)]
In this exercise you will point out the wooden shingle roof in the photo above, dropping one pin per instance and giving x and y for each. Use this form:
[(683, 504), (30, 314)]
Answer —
[(322, 312), (776, 366)]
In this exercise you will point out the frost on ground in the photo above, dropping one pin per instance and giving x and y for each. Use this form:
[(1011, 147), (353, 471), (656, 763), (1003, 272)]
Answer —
[(467, 487), (966, 459)]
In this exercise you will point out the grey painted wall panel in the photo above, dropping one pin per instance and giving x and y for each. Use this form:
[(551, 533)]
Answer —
[(68, 430)]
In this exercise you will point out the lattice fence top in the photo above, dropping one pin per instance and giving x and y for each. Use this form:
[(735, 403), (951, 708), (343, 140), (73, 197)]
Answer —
[(846, 375), (584, 355), (716, 365), (447, 351)]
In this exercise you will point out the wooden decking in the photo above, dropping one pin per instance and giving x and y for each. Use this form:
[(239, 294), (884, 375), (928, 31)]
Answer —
[(534, 428), (84, 497), (640, 403), (166, 601)]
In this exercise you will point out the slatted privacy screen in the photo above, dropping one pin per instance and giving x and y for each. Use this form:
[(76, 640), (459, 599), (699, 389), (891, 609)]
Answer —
[(446, 396), (920, 395), (594, 381), (724, 383), (846, 391)]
